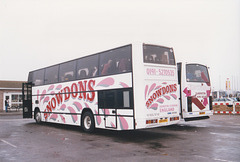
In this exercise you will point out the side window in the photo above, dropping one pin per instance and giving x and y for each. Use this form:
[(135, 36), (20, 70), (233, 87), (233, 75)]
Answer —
[(127, 99), (51, 75), (106, 99), (116, 61), (87, 67), (30, 77), (37, 77), (67, 71), (115, 99)]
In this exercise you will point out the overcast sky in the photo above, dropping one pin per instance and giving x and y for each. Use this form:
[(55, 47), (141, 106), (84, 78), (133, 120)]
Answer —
[(39, 33)]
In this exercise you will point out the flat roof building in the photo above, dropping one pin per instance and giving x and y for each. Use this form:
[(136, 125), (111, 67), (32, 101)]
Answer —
[(11, 91)]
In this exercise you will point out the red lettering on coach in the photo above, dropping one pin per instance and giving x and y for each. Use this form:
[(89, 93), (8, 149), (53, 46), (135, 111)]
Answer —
[(83, 90), (160, 92)]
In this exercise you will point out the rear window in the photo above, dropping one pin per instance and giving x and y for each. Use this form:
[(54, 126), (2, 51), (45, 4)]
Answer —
[(158, 55), (197, 73)]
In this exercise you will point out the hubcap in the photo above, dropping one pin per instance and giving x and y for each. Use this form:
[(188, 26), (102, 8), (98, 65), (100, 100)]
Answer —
[(87, 122), (38, 117)]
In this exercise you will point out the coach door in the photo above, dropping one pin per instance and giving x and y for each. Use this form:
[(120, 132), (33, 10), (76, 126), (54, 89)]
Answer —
[(27, 100), (110, 118), (179, 67)]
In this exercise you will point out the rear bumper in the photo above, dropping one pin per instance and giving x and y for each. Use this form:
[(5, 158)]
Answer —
[(197, 114)]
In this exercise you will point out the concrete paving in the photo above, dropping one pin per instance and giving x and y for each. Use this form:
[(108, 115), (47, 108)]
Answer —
[(214, 139)]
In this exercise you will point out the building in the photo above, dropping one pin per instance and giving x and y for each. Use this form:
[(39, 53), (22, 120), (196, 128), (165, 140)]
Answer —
[(11, 90)]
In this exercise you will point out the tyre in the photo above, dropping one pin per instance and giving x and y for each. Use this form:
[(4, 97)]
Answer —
[(38, 117), (88, 123)]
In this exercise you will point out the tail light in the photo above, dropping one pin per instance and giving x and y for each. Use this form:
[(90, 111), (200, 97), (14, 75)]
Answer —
[(151, 121), (174, 118)]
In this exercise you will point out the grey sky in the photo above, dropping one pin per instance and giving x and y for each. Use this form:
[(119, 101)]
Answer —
[(39, 33)]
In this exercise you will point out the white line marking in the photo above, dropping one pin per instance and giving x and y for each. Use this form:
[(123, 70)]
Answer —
[(8, 120), (222, 160), (8, 143)]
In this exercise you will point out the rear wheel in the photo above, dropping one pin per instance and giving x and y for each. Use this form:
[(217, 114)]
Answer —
[(88, 123), (38, 117)]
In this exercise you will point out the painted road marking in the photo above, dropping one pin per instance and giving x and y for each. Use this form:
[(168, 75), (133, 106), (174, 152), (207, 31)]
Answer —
[(8, 120), (222, 160), (8, 143)]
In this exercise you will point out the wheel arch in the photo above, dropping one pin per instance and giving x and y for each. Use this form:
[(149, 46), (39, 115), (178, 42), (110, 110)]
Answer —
[(86, 115), (84, 111), (35, 111)]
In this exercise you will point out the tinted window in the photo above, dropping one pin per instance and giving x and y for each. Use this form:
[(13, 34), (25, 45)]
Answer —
[(51, 75), (87, 67), (67, 71), (37, 77), (158, 55), (116, 61), (179, 67), (115, 99), (197, 73), (30, 77)]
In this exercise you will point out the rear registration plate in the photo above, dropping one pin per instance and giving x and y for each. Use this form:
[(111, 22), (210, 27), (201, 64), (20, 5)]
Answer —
[(163, 120)]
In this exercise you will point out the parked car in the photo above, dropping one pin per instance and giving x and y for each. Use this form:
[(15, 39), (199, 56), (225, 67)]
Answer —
[(228, 100), (234, 99)]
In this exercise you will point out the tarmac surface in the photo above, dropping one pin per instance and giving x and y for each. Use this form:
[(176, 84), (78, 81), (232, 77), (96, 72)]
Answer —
[(215, 139)]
